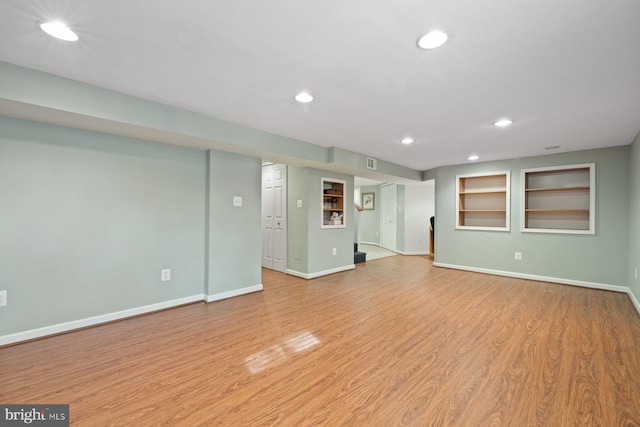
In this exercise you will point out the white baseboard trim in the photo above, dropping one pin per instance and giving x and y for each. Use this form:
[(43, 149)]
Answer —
[(320, 273), (413, 253), (95, 320), (233, 293), (583, 284), (634, 300)]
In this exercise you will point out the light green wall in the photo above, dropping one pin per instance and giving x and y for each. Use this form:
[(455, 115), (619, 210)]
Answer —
[(634, 218), (34, 95), (323, 240), (370, 220), (354, 162), (310, 246), (235, 233), (599, 258), (297, 219), (87, 221)]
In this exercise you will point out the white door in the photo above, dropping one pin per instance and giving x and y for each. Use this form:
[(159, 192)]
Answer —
[(274, 222), (388, 217)]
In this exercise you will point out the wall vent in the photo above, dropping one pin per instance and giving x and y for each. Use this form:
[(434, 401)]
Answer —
[(372, 163)]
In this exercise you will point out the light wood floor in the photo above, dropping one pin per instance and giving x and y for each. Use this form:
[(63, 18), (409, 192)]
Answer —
[(394, 342)]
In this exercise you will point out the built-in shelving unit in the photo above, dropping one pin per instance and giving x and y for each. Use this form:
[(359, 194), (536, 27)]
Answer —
[(333, 203), (482, 201), (559, 199)]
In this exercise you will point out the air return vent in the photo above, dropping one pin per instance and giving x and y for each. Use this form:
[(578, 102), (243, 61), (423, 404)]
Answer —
[(372, 163)]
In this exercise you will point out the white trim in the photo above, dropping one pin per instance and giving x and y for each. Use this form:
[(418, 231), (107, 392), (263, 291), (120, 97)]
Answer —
[(233, 293), (602, 286), (95, 320), (634, 301), (413, 253), (320, 273)]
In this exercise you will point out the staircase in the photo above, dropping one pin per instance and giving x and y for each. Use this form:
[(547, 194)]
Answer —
[(358, 256)]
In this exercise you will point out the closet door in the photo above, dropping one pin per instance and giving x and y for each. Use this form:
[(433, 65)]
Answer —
[(274, 222)]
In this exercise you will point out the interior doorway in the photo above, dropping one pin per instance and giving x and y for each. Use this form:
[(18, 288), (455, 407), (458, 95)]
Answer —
[(388, 217)]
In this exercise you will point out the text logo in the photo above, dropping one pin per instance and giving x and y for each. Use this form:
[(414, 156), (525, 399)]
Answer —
[(34, 415)]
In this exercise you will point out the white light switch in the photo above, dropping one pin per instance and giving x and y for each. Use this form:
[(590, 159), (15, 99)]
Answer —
[(299, 203), (237, 200)]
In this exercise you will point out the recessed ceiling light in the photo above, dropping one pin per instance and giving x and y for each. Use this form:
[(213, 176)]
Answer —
[(474, 157), (58, 30), (303, 97), (502, 123), (432, 40), (552, 147), (407, 140)]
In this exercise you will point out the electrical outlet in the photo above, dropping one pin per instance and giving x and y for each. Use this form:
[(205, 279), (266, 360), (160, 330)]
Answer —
[(3, 298), (518, 256), (335, 251), (165, 275)]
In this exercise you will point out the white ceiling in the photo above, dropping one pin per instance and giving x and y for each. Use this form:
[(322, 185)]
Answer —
[(566, 72)]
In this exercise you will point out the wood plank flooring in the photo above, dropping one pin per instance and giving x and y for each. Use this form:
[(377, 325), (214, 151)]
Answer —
[(394, 342)]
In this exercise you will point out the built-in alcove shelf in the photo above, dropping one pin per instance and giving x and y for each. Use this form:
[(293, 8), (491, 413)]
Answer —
[(559, 199), (333, 203), (483, 201)]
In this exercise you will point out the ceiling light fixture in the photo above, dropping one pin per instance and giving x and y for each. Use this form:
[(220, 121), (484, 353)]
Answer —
[(552, 147), (407, 140), (303, 97), (473, 157), (58, 30), (502, 123), (432, 40)]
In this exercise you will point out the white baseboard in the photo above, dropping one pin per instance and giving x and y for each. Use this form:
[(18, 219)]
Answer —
[(634, 301), (95, 320), (413, 253), (369, 243), (233, 293), (583, 284), (320, 273)]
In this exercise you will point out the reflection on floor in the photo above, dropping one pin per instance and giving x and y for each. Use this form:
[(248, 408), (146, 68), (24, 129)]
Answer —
[(375, 252)]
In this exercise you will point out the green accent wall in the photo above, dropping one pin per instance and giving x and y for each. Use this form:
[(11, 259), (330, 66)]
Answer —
[(599, 258), (297, 219), (87, 221), (310, 247), (234, 249), (370, 219)]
